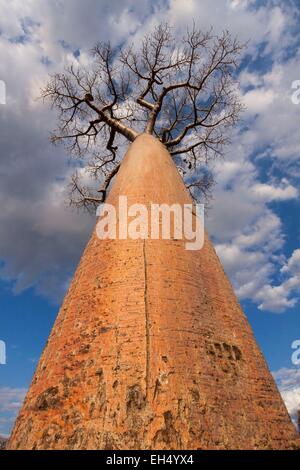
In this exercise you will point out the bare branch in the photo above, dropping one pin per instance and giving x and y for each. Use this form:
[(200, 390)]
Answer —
[(182, 92), (200, 187), (81, 197), (107, 180)]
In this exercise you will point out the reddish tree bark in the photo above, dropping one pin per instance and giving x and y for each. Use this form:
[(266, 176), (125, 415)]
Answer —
[(150, 349)]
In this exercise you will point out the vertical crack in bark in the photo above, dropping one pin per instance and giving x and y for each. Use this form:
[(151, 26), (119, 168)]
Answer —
[(147, 320)]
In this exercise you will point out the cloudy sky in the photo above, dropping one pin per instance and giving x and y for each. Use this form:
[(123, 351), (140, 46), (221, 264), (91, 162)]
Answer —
[(254, 220)]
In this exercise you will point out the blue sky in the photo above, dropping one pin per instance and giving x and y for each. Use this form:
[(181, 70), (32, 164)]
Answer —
[(254, 219)]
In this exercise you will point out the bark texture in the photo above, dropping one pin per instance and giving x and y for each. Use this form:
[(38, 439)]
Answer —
[(150, 349)]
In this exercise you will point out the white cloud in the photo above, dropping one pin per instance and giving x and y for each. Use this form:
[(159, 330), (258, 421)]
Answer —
[(293, 264), (279, 297), (266, 230), (288, 381), (249, 236), (277, 23), (246, 230), (269, 193), (258, 100), (248, 19), (286, 295), (11, 399), (276, 117), (235, 4), (249, 262), (275, 298)]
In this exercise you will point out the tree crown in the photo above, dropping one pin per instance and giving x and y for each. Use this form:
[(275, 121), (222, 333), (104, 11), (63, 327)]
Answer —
[(183, 92)]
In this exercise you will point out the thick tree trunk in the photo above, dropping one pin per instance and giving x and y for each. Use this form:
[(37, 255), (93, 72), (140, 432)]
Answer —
[(151, 349)]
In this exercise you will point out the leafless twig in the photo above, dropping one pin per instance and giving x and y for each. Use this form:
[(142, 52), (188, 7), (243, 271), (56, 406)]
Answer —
[(182, 92)]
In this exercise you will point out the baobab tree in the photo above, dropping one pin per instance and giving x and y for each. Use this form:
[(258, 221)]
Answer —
[(150, 349), (182, 92)]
